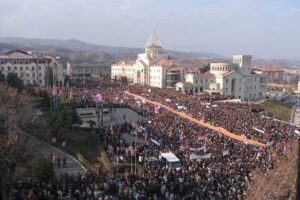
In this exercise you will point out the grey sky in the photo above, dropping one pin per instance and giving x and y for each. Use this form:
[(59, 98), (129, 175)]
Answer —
[(263, 28)]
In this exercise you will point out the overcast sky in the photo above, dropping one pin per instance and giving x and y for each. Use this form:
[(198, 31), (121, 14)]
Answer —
[(263, 28)]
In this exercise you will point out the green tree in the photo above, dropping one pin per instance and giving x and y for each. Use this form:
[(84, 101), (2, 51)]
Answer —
[(49, 76), (125, 80), (45, 99), (2, 77), (62, 119), (205, 68), (13, 80), (41, 169)]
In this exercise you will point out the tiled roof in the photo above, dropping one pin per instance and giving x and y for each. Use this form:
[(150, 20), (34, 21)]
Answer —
[(125, 62), (165, 63)]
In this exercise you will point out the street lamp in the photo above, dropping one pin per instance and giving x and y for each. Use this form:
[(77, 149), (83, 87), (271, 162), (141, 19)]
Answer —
[(99, 111)]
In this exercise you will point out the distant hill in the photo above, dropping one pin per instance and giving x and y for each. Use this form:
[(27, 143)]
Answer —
[(77, 51)]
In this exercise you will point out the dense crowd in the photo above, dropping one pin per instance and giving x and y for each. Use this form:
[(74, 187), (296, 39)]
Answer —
[(224, 172)]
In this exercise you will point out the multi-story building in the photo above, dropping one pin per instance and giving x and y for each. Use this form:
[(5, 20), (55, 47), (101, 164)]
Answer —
[(275, 75), (86, 70), (30, 68), (230, 79), (152, 68)]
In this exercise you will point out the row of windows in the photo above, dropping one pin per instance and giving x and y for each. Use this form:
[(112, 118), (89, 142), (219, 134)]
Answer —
[(204, 80), (29, 74), (20, 68), (155, 77), (221, 68), (17, 62)]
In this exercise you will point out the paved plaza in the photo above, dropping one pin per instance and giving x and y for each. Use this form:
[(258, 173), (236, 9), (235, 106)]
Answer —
[(116, 117)]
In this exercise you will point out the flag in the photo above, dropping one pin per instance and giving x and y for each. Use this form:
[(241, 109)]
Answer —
[(54, 91), (97, 98)]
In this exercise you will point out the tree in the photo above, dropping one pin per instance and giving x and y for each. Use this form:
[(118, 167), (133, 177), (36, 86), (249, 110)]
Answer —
[(41, 169), (2, 77), (13, 80), (115, 78), (205, 68), (125, 80), (49, 76)]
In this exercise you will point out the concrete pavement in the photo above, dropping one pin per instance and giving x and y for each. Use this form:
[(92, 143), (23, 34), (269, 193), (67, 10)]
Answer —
[(43, 150)]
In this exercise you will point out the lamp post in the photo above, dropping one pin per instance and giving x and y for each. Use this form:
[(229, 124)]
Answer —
[(99, 111)]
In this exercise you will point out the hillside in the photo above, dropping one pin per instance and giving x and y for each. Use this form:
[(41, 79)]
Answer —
[(77, 51)]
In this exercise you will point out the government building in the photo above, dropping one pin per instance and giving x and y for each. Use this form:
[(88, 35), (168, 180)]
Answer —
[(235, 79), (152, 68), (30, 68)]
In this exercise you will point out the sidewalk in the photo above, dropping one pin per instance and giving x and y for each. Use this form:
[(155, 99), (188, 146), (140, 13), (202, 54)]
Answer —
[(43, 150)]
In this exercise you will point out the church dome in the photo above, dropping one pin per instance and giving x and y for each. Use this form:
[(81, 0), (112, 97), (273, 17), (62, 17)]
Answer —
[(152, 43)]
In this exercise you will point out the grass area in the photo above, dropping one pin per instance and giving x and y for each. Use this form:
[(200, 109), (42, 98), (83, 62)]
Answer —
[(84, 145), (278, 109)]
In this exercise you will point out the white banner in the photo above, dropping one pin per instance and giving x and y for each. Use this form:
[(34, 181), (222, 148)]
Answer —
[(196, 157)]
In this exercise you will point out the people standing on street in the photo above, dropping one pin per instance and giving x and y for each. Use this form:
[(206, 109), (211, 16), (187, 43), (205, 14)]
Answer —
[(64, 162), (58, 160)]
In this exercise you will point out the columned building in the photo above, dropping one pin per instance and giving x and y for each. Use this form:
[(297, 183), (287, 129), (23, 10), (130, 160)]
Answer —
[(29, 67), (235, 79), (152, 68)]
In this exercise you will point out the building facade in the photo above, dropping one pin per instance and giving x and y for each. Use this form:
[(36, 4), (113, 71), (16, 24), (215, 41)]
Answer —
[(86, 70), (30, 68), (230, 79), (152, 68)]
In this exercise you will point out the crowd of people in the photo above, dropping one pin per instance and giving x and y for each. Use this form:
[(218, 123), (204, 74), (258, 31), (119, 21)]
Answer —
[(212, 165)]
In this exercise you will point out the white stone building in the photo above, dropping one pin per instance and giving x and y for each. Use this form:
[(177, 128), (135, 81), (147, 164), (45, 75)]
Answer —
[(87, 70), (153, 68), (230, 79), (30, 68)]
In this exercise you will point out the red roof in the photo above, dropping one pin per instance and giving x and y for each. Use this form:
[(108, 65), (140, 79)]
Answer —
[(125, 62), (165, 63)]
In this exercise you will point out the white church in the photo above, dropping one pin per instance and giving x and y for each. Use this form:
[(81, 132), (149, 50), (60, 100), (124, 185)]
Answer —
[(152, 68), (235, 79)]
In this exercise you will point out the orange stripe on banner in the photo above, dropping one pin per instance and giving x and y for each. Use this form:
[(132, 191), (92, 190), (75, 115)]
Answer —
[(199, 122)]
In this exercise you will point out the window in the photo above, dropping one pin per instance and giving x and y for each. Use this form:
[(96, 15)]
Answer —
[(33, 75), (40, 74), (2, 68), (22, 75), (21, 68), (33, 68), (8, 68), (205, 80), (201, 81), (26, 67), (40, 67), (40, 81), (226, 80), (27, 74), (15, 68), (211, 80)]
